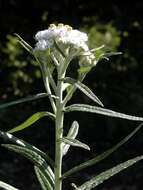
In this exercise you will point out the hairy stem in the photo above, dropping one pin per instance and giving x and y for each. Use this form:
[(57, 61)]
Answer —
[(46, 82), (59, 135), (51, 80)]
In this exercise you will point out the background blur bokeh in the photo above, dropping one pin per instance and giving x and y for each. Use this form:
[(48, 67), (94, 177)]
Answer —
[(118, 83)]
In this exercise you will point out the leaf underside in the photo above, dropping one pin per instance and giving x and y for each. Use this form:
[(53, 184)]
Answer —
[(102, 156), (36, 159), (75, 142), (6, 136), (42, 179), (102, 111), (6, 186)]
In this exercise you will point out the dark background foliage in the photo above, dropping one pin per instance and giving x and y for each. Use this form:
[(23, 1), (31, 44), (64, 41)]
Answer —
[(118, 83)]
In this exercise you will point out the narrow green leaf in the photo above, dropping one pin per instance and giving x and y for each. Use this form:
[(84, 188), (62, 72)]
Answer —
[(42, 179), (7, 186), (22, 100), (102, 156), (112, 54), (71, 135), (102, 111), (35, 117), (74, 142), (35, 158), (25, 44), (83, 88), (97, 180), (15, 140)]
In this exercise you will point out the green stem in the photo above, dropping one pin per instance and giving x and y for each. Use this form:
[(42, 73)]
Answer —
[(51, 80), (46, 82), (47, 86), (59, 135)]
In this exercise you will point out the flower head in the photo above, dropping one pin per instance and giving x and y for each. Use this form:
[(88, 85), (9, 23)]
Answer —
[(62, 34), (63, 40)]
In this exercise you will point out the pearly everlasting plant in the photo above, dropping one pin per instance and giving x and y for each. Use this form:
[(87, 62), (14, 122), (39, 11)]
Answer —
[(54, 50)]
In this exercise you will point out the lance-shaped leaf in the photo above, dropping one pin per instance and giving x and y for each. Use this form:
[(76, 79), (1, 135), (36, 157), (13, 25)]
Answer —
[(15, 140), (71, 135), (6, 186), (97, 180), (42, 179), (75, 142), (83, 88), (25, 44), (102, 156), (102, 55), (35, 117), (22, 100), (102, 111), (36, 159)]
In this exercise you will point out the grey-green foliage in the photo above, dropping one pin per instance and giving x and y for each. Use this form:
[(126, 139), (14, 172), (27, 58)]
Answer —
[(84, 89), (97, 180), (72, 134), (101, 156), (42, 179), (36, 159), (49, 173), (75, 142), (14, 140), (102, 111)]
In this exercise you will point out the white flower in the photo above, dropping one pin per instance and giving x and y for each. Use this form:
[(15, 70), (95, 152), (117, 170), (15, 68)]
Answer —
[(63, 34), (75, 38)]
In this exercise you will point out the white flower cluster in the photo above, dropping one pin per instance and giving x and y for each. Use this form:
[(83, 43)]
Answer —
[(61, 34), (65, 36)]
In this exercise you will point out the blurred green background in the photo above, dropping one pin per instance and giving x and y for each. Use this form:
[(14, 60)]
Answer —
[(118, 83)]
